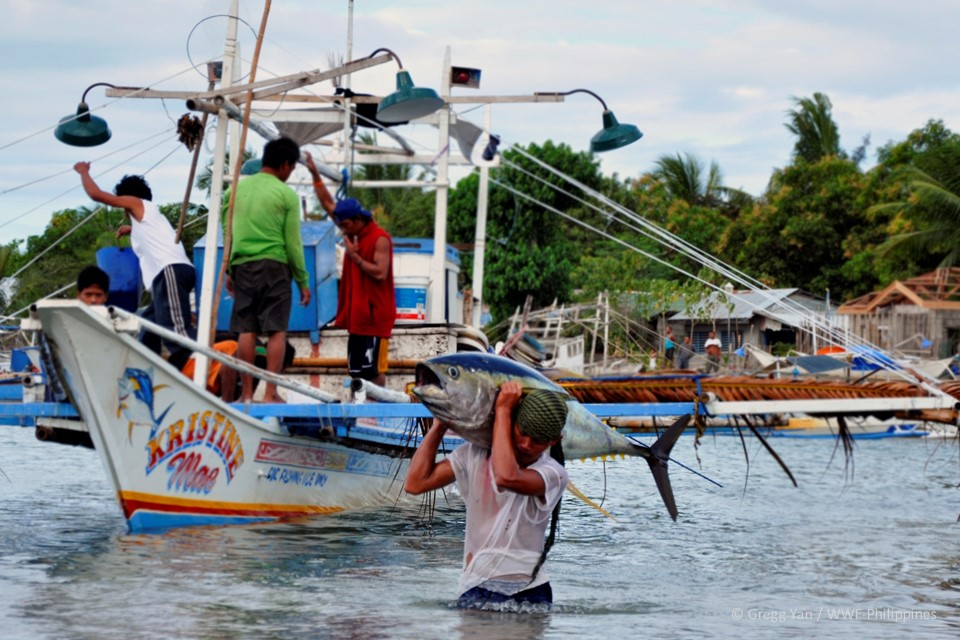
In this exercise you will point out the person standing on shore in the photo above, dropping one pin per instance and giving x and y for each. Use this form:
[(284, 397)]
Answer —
[(685, 353), (669, 347), (714, 348)]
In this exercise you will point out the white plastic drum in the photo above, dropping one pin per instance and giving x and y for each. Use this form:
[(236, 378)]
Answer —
[(411, 295)]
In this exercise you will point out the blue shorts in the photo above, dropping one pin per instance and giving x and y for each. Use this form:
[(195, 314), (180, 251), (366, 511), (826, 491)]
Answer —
[(477, 597)]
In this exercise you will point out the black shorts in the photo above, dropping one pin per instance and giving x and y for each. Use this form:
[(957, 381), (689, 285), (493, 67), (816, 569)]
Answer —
[(365, 356), (478, 597), (262, 297)]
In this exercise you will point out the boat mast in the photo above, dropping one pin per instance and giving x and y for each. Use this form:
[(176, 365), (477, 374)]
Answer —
[(211, 264), (346, 138), (438, 291), (480, 237)]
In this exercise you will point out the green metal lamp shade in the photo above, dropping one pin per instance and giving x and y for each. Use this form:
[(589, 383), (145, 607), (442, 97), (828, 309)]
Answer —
[(83, 129), (614, 135), (408, 102)]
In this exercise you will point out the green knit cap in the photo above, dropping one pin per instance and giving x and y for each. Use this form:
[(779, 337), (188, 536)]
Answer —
[(542, 414)]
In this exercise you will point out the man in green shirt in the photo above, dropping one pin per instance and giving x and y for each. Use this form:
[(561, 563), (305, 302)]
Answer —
[(265, 254)]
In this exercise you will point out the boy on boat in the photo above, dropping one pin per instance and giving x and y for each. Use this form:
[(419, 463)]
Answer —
[(93, 285), (510, 492)]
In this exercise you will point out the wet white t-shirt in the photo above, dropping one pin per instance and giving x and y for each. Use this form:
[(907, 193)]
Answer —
[(505, 530)]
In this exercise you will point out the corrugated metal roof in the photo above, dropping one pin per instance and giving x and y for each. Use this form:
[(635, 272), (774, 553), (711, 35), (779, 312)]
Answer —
[(746, 304)]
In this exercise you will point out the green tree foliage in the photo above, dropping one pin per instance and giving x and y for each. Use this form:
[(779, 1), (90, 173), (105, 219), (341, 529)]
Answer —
[(698, 224), (876, 256), (930, 212), (917, 218), (530, 250), (685, 179), (796, 236)]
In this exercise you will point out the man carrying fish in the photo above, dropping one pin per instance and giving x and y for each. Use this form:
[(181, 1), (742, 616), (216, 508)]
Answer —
[(510, 491)]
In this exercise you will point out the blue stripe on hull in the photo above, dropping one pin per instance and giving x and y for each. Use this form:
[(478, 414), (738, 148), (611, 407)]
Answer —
[(155, 521)]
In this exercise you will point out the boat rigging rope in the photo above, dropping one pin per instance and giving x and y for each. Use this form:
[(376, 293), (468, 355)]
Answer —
[(669, 239), (100, 108), (70, 231), (70, 170)]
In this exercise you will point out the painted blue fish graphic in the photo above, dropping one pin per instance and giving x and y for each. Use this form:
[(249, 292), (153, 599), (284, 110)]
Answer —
[(136, 398)]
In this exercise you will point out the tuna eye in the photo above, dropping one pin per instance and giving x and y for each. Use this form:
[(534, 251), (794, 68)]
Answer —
[(454, 372)]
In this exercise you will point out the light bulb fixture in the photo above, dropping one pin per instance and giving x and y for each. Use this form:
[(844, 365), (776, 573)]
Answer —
[(84, 129), (407, 102), (613, 135)]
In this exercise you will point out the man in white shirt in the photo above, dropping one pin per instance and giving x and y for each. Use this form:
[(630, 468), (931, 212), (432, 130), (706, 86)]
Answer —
[(166, 270), (510, 492), (714, 348)]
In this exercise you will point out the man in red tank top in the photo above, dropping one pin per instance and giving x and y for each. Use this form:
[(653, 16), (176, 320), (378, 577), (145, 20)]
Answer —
[(366, 306)]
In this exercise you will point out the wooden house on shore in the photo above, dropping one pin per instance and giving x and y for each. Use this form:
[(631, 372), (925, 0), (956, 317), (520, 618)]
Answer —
[(919, 316)]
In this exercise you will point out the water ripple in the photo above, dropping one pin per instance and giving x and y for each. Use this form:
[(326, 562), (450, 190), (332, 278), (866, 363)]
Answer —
[(884, 542)]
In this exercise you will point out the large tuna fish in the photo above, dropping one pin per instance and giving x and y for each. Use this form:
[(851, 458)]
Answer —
[(460, 389)]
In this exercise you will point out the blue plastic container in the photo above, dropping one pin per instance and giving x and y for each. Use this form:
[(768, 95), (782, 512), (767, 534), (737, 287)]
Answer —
[(319, 248), (126, 284)]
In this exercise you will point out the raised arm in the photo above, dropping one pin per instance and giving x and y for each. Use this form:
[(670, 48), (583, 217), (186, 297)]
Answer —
[(507, 472), (131, 204), (319, 188)]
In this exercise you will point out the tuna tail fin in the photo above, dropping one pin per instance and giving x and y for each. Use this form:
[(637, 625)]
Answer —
[(660, 456)]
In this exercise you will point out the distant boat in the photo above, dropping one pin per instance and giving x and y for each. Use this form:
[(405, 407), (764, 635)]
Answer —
[(807, 427)]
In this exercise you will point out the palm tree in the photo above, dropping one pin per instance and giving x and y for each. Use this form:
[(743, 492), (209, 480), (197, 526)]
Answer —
[(931, 206), (685, 179), (812, 123), (401, 211)]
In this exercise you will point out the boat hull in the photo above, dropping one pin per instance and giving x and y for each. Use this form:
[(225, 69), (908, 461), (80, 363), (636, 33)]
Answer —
[(176, 455)]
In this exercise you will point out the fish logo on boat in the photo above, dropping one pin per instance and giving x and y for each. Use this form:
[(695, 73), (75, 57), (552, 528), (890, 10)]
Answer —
[(136, 398)]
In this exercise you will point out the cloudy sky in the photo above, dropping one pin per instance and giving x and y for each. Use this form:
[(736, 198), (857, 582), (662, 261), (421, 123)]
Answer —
[(709, 77)]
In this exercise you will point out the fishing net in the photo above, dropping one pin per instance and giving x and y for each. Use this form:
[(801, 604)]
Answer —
[(542, 414)]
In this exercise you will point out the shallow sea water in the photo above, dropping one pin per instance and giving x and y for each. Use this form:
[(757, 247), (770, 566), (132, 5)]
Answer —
[(872, 556)]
